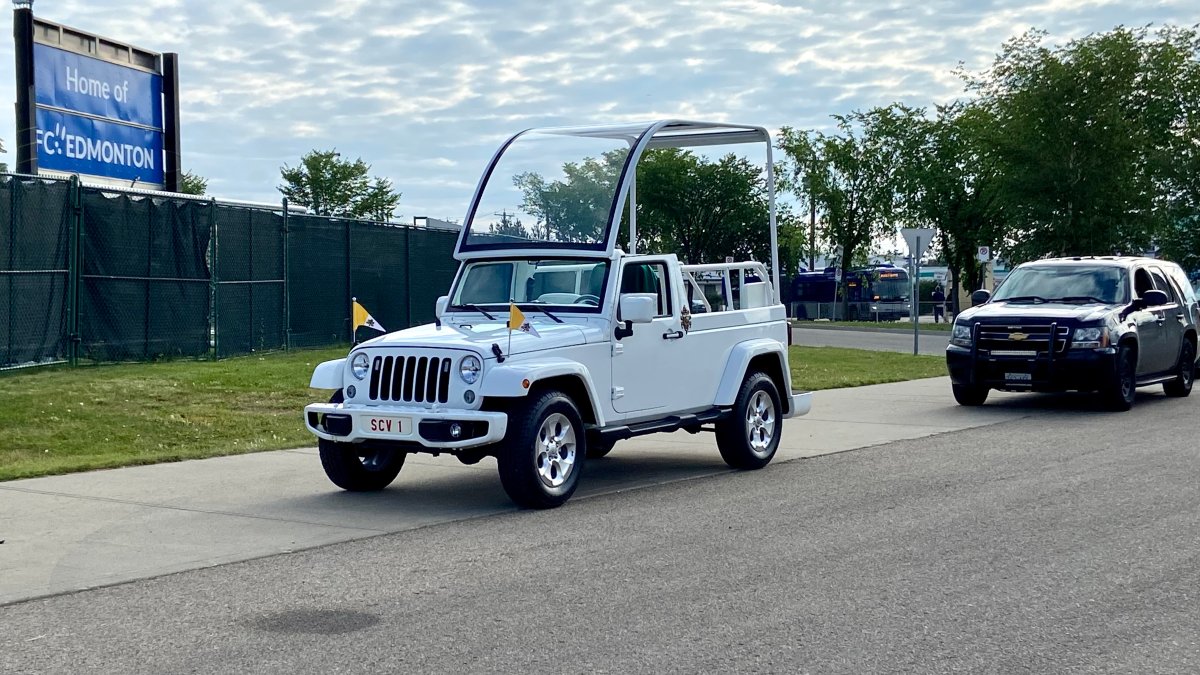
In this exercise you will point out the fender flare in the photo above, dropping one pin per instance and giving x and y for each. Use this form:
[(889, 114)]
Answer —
[(328, 375), (505, 381), (739, 360)]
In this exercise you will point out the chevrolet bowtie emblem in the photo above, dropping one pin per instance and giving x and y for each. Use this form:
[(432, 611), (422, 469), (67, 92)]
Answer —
[(1017, 336)]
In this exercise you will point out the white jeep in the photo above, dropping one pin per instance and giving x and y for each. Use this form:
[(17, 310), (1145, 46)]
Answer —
[(614, 344)]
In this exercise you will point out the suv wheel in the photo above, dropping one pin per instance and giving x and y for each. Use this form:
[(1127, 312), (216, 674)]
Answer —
[(1182, 384), (1121, 391), (750, 436), (357, 467), (542, 455), (969, 394)]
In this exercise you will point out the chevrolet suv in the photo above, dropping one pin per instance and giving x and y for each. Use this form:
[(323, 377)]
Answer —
[(1107, 325)]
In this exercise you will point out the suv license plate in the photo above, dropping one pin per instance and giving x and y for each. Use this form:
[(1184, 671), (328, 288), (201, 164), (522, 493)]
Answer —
[(387, 425), (1019, 377)]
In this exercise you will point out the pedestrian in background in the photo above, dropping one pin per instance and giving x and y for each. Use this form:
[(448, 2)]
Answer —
[(939, 304)]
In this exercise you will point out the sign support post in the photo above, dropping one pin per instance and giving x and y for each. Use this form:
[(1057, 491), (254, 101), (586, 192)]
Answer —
[(26, 126), (918, 239)]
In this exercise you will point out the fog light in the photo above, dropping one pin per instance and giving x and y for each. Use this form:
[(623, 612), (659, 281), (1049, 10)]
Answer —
[(351, 391), (455, 430), (469, 396)]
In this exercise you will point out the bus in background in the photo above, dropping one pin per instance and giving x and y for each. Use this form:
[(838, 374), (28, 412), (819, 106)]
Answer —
[(875, 293)]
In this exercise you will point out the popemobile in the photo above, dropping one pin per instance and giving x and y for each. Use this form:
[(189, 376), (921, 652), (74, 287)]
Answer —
[(554, 343)]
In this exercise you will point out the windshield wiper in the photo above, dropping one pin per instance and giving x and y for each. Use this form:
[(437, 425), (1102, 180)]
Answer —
[(1082, 298), (476, 308), (526, 305), (1024, 298)]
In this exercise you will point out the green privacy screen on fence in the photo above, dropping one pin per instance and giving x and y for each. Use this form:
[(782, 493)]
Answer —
[(91, 274)]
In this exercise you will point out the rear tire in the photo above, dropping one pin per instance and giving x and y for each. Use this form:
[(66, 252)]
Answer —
[(541, 457), (969, 394), (1120, 393), (356, 466), (750, 436), (1182, 384)]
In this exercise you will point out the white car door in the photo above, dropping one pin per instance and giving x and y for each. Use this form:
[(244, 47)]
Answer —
[(646, 365)]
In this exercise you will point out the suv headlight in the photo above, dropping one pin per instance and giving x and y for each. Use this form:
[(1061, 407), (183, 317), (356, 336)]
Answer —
[(360, 365), (1089, 338), (468, 369), (961, 335)]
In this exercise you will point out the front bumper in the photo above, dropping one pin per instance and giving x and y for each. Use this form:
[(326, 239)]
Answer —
[(448, 429), (1074, 369)]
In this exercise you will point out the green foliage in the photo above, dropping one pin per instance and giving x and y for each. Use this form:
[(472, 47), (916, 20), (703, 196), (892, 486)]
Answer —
[(853, 175), (1089, 139), (192, 184), (699, 209), (331, 186), (576, 207)]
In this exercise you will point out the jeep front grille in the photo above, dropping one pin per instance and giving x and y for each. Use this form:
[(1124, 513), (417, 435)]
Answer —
[(1021, 340), (410, 379)]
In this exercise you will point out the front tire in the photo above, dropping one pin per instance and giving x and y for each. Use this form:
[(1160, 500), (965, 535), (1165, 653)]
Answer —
[(1121, 391), (1182, 384), (970, 395), (355, 466), (749, 438), (542, 455)]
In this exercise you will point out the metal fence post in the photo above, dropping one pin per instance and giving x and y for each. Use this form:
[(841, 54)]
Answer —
[(13, 204), (214, 277), (74, 269), (287, 302), (250, 278), (349, 290), (408, 322)]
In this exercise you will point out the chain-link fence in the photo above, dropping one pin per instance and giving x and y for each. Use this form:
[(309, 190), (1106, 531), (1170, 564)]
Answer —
[(91, 274)]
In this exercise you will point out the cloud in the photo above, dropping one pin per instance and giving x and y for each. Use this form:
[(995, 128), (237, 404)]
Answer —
[(425, 91)]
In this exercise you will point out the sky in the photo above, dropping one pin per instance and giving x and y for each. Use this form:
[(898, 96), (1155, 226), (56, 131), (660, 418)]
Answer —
[(426, 91)]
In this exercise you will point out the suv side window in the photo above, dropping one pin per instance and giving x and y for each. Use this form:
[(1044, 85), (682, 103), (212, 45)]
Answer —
[(1186, 291), (648, 278), (1160, 282), (1142, 282)]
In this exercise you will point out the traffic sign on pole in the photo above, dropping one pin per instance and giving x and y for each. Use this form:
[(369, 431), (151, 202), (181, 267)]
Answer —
[(984, 254)]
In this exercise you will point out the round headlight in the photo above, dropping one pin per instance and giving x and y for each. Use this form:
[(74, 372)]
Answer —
[(360, 365), (468, 369)]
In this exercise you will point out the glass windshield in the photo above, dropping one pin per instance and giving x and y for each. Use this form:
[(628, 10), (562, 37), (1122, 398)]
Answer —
[(1066, 283), (550, 190), (555, 282)]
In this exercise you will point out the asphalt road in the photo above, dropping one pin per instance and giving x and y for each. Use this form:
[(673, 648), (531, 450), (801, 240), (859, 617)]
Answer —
[(1063, 542), (929, 342)]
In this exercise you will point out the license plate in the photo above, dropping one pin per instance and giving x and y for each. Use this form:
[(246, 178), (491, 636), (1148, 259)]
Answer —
[(387, 425), (1019, 377)]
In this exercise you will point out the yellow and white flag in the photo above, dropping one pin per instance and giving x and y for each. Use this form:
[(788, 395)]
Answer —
[(517, 321), (363, 318)]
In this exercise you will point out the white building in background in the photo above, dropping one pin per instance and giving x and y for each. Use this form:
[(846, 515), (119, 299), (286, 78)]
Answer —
[(436, 224)]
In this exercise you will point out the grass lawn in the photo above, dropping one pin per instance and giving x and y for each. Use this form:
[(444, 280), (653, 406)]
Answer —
[(901, 325), (64, 420), (815, 368)]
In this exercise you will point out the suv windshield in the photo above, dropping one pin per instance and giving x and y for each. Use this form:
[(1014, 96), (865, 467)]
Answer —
[(1105, 284), (565, 283)]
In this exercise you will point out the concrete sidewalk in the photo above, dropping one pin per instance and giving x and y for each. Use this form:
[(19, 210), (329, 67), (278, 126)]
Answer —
[(78, 531)]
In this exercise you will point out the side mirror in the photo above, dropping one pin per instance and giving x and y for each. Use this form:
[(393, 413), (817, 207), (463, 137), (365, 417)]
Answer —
[(1154, 298), (637, 307), (439, 308), (980, 296)]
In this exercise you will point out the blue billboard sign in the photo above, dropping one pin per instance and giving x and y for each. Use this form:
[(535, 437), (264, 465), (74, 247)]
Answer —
[(76, 144), (92, 86), (97, 118)]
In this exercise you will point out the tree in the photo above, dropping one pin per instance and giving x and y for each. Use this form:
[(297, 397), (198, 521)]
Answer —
[(948, 179), (330, 186), (575, 207), (192, 184), (509, 226), (700, 209), (853, 176), (1088, 139)]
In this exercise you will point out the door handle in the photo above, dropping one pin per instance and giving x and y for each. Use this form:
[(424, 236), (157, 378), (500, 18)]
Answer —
[(673, 335), (1160, 320), (1180, 316)]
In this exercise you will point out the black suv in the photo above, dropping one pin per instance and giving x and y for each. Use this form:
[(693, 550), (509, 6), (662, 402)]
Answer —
[(1108, 325)]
